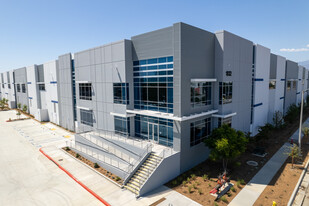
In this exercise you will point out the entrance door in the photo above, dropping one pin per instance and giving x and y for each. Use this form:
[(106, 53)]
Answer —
[(153, 132)]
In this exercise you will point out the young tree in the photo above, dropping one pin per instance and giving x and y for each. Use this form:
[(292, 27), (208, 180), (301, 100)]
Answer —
[(294, 153), (226, 144), (19, 106), (25, 108), (278, 120), (18, 114), (2, 104)]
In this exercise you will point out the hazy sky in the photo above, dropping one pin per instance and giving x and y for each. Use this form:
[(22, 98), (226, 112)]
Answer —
[(37, 31)]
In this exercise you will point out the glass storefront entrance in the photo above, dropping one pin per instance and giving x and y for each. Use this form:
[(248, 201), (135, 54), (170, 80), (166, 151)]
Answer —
[(153, 132), (155, 129)]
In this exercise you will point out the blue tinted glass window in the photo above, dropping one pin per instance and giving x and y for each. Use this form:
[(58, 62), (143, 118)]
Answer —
[(162, 60), (142, 62), (135, 63), (170, 66), (136, 69), (121, 93), (152, 61), (152, 67), (150, 92)]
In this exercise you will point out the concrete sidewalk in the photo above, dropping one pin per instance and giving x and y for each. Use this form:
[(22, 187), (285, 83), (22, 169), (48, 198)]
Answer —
[(251, 192), (108, 190), (28, 178)]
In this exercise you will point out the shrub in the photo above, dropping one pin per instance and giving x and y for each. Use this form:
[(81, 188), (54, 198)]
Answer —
[(215, 204), (224, 199), (198, 183), (174, 182), (67, 149), (118, 178), (188, 179), (237, 164), (96, 165), (25, 108), (233, 189), (242, 182), (205, 177), (184, 183), (238, 183), (200, 191), (264, 132), (209, 185), (292, 113), (278, 120), (77, 155), (194, 186), (193, 176), (190, 189)]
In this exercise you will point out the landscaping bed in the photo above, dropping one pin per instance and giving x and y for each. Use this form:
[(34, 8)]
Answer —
[(283, 183), (237, 171), (95, 166)]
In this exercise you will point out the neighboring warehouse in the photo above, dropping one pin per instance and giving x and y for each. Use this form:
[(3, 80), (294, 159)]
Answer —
[(141, 108)]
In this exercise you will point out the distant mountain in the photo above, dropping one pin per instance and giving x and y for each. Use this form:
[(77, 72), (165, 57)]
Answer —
[(305, 64)]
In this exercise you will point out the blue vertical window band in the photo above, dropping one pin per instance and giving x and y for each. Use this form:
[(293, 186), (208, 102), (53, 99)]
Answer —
[(153, 84)]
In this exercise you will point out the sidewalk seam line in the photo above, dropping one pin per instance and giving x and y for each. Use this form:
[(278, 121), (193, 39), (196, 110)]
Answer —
[(75, 179)]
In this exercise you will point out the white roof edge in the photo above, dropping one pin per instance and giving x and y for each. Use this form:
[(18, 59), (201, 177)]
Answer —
[(121, 115), (85, 108), (171, 117), (83, 81), (204, 80), (224, 115)]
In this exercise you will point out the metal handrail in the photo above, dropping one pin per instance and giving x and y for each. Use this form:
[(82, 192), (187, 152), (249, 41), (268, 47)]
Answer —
[(103, 158)]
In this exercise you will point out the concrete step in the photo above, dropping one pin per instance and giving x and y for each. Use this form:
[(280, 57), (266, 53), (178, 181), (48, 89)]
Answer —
[(152, 161), (131, 189), (142, 172), (136, 184), (149, 164), (148, 168), (140, 178), (135, 187)]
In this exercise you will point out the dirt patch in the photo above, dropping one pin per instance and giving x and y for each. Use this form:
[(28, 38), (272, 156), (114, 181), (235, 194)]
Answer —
[(282, 185), (238, 170), (103, 171)]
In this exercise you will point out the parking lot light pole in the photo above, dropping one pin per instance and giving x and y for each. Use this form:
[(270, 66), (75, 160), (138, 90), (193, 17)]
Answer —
[(301, 118)]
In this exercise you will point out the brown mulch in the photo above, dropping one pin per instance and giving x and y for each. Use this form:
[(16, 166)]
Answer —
[(239, 171), (283, 183), (103, 171)]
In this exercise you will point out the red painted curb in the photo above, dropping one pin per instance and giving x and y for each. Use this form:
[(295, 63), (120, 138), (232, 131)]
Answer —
[(76, 180)]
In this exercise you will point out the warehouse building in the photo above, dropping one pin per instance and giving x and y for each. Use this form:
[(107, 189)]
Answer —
[(142, 107)]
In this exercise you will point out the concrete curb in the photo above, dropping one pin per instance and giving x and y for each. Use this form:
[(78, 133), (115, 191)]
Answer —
[(91, 168), (298, 184), (75, 179)]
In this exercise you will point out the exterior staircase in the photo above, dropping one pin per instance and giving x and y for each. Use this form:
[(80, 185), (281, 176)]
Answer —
[(143, 173)]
